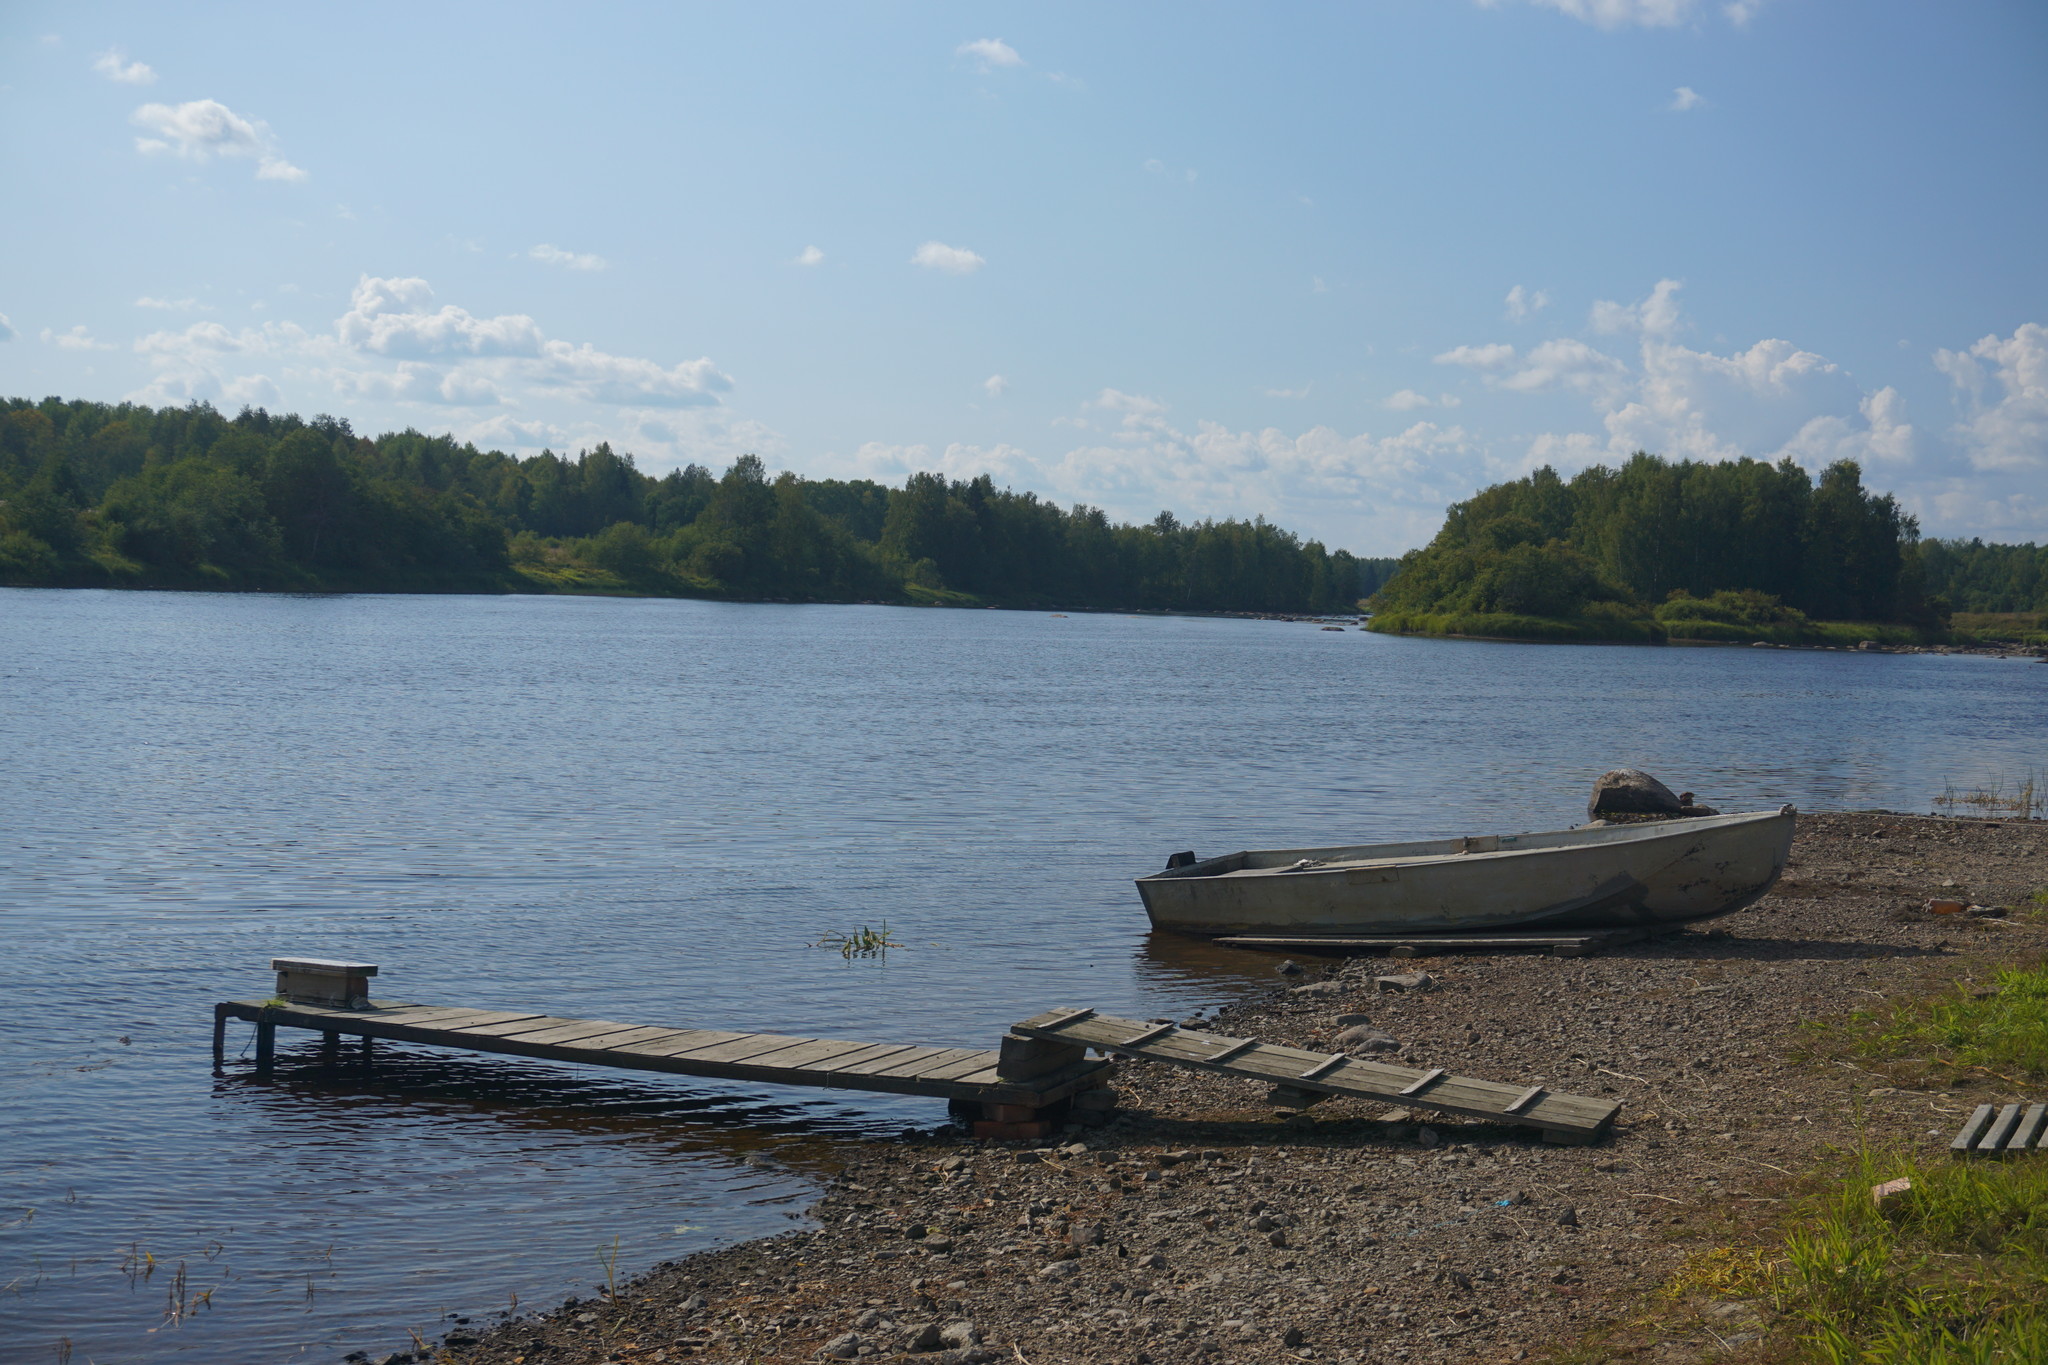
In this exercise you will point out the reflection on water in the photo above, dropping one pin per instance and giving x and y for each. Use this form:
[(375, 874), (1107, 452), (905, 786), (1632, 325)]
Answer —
[(646, 811)]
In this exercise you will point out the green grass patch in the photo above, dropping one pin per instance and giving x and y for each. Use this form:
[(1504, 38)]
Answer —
[(1952, 1271), (1996, 1029), (2000, 627), (1508, 626)]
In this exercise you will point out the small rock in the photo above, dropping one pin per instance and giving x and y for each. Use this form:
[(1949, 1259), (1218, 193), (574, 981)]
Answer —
[(923, 1337), (960, 1334), (939, 1246), (1362, 1038), (586, 1318), (1429, 1137), (1290, 968), (1292, 1337), (1059, 1270), (1888, 1195), (1569, 1218), (696, 1303), (1173, 1158), (1152, 1262), (1405, 981), (1277, 1238), (868, 1319), (844, 1347), (1352, 1021), (1085, 1234), (1316, 990)]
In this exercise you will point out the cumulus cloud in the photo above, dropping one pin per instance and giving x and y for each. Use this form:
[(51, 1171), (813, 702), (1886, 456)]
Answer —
[(810, 255), (1613, 14), (547, 253), (168, 305), (990, 53), (200, 130), (1406, 400), (1491, 356), (1655, 315), (1525, 303), (397, 344), (995, 386), (2002, 386), (1771, 400), (953, 260), (77, 339), (6, 328), (115, 66), (1684, 98)]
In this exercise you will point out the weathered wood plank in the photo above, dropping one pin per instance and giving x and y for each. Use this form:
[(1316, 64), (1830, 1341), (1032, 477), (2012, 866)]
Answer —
[(885, 1062), (2032, 1134), (685, 1041), (746, 1047), (966, 1066), (1319, 1072), (2001, 1129), (506, 1028), (1973, 1128)]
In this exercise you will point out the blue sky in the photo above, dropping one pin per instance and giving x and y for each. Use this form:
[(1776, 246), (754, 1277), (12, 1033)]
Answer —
[(1333, 264)]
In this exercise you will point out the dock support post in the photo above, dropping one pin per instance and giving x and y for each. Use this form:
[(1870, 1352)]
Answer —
[(220, 1039), (330, 1047), (369, 1051), (266, 1045)]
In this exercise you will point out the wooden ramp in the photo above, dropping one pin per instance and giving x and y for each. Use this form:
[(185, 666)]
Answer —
[(1993, 1131), (1583, 943), (893, 1068), (1318, 1075)]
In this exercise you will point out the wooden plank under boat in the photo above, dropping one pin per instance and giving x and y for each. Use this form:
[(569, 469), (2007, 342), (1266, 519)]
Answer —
[(1611, 877)]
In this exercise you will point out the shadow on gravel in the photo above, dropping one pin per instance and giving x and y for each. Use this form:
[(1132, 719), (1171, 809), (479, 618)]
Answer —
[(1765, 949)]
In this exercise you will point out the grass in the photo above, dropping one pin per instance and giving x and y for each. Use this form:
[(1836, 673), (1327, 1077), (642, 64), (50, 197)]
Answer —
[(1954, 1271), (865, 941), (1998, 1031), (2025, 799), (1507, 626), (2000, 627)]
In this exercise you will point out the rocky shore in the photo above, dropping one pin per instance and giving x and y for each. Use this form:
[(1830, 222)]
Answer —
[(1199, 1224)]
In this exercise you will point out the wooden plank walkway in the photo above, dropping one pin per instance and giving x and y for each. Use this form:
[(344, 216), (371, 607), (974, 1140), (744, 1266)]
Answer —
[(1993, 1131), (1583, 943), (892, 1068), (1563, 1118)]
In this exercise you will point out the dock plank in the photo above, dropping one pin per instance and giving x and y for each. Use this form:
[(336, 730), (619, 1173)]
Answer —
[(745, 1048), (1299, 1069)]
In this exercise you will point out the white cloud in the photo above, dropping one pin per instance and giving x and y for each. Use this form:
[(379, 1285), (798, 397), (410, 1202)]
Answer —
[(2008, 430), (1407, 400), (1525, 303), (1301, 392), (1491, 356), (7, 332), (200, 130), (954, 260), (547, 253), (1684, 98), (395, 345), (115, 66), (1656, 315), (1135, 411), (995, 386), (810, 255), (990, 53), (168, 305), (1613, 14), (77, 339), (1570, 364), (390, 317)]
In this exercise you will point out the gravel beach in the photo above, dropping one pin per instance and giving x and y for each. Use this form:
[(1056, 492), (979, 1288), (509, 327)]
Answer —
[(1199, 1223)]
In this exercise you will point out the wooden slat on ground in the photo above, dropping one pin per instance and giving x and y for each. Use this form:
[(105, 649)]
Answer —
[(1581, 944), (1568, 1118), (1994, 1131), (780, 1059)]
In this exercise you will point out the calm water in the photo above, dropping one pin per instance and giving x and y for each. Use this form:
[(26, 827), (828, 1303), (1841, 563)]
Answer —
[(646, 810)]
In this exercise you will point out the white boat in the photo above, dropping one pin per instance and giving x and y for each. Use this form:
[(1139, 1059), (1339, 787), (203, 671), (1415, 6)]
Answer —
[(1607, 877)]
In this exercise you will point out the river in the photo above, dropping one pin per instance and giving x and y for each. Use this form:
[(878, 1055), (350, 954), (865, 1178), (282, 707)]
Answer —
[(648, 810)]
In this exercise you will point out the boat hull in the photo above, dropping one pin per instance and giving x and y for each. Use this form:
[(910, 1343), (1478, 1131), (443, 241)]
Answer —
[(1669, 872)]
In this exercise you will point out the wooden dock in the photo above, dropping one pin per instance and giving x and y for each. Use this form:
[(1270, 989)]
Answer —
[(1015, 1083), (1300, 1078), (1583, 943)]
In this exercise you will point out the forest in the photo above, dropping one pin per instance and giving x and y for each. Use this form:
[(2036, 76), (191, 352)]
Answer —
[(1730, 551), (93, 494)]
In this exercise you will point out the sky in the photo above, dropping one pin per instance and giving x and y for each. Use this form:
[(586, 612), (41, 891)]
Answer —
[(1336, 265)]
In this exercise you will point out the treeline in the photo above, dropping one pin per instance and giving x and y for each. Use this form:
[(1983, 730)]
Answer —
[(1685, 549), (97, 494), (1968, 575)]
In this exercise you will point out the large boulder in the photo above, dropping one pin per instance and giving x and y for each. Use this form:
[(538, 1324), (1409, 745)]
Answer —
[(1631, 791)]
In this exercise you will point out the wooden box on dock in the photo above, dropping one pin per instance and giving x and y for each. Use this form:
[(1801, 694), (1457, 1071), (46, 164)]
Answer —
[(316, 981)]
